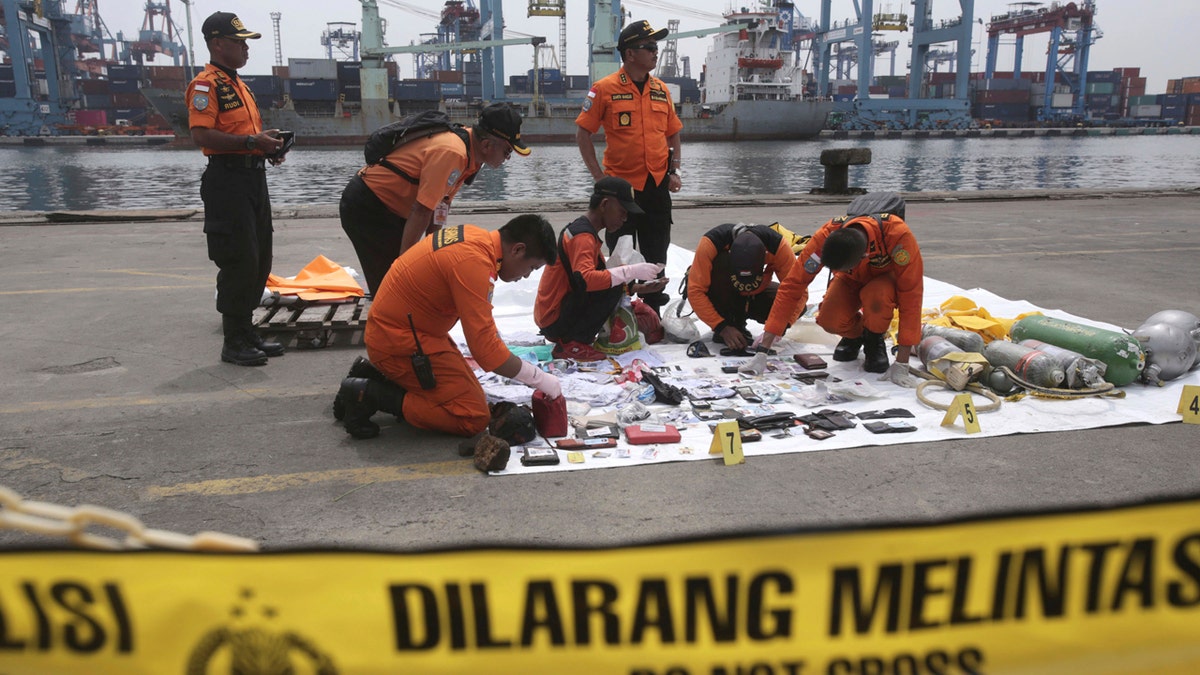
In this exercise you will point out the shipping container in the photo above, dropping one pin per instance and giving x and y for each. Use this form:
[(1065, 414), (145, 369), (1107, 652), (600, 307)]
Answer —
[(96, 101), (312, 69), (1100, 87), (1109, 76), (165, 72), (448, 76), (8, 89), (91, 118), (263, 85), (548, 74), (312, 90), (128, 100), (134, 115), (281, 72), (417, 90), (350, 92), (581, 82), (1145, 111), (90, 86), (349, 72), (124, 72), (123, 86), (1003, 96), (453, 90), (519, 84), (1173, 99)]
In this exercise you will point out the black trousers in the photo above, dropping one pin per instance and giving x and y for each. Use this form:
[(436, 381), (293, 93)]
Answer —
[(237, 224), (735, 309), (651, 231), (582, 315), (376, 232)]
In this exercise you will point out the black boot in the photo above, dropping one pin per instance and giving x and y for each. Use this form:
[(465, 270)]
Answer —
[(236, 348), (268, 348), (875, 357), (360, 368), (847, 349), (360, 405)]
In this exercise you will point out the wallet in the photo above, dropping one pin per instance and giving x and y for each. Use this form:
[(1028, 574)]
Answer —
[(810, 361), (883, 414), (579, 444), (780, 420), (645, 434), (539, 457), (888, 427), (598, 430)]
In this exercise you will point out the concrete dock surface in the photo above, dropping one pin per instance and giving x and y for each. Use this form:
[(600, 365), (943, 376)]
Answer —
[(114, 394)]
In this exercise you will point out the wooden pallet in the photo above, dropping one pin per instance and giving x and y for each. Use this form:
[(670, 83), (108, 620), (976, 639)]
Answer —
[(311, 325)]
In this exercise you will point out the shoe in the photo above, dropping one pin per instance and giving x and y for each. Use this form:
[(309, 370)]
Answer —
[(360, 368), (577, 351), (491, 453), (360, 405), (847, 349), (241, 353), (268, 348), (875, 357)]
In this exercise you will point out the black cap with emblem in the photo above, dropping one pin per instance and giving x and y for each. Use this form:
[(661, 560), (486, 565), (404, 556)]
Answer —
[(747, 258), (636, 31), (226, 25)]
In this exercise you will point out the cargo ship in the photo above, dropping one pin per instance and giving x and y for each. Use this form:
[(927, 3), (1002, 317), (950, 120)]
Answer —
[(752, 89)]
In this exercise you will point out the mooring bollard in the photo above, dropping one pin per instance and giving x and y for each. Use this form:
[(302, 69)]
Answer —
[(837, 169)]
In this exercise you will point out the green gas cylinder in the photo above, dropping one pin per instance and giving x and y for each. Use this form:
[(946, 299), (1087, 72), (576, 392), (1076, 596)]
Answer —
[(1120, 352)]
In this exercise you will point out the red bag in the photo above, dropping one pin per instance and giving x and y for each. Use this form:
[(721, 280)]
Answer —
[(648, 322), (550, 415), (645, 434)]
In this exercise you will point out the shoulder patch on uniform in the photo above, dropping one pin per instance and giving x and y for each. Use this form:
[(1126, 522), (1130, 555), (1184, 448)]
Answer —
[(587, 104), (900, 256), (813, 264), (447, 236), (591, 93), (454, 175), (200, 101)]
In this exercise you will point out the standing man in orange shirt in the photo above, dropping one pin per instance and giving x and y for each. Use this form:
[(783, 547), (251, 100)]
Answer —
[(641, 132), (225, 123), (447, 277), (389, 206)]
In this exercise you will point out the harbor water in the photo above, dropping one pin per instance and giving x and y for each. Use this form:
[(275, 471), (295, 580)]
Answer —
[(85, 178)]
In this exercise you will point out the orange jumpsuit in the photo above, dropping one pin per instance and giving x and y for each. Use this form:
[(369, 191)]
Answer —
[(891, 277), (218, 101), (445, 278), (636, 126), (441, 163), (588, 274), (779, 264)]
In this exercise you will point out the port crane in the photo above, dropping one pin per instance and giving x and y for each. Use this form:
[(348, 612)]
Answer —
[(159, 35), (913, 111), (1072, 30)]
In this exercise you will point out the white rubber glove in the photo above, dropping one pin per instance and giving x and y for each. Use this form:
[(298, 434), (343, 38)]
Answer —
[(755, 366), (898, 373), (539, 379), (626, 273)]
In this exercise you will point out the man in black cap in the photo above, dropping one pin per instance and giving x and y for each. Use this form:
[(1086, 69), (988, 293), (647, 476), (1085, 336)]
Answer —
[(641, 135), (577, 293), (225, 123), (726, 280), (388, 207)]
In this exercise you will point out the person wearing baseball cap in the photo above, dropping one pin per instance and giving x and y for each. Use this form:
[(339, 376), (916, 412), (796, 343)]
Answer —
[(730, 280), (226, 125), (503, 122), (578, 292), (641, 133)]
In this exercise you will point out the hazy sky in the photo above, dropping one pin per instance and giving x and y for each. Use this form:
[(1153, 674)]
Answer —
[(1150, 35)]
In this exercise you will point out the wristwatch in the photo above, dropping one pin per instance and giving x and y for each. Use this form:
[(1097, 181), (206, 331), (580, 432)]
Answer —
[(251, 143), (674, 172)]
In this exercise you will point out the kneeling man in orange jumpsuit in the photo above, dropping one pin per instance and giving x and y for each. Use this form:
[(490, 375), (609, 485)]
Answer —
[(877, 268), (447, 276)]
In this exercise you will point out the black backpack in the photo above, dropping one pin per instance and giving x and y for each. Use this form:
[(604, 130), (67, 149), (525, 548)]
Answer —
[(412, 127)]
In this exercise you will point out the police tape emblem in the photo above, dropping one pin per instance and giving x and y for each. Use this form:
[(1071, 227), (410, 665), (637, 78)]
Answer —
[(200, 101), (258, 649)]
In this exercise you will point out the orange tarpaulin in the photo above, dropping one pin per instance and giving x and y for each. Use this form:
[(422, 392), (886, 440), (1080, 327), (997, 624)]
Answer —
[(321, 279)]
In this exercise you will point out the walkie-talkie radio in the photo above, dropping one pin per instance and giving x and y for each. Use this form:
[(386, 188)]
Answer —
[(421, 365)]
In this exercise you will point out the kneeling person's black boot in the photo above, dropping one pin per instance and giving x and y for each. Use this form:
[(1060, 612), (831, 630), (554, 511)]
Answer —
[(875, 358), (355, 394), (847, 349), (236, 349), (360, 368)]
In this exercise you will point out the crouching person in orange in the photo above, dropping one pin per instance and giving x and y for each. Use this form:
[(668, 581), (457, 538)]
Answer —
[(877, 269), (578, 293), (725, 284), (446, 277)]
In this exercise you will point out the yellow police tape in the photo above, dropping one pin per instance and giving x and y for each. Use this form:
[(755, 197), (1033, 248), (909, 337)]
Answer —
[(1107, 591)]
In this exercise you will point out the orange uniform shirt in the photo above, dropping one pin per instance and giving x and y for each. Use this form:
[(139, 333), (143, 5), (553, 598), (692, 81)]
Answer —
[(779, 265), (217, 101), (446, 277), (636, 126), (891, 250), (441, 163), (583, 253)]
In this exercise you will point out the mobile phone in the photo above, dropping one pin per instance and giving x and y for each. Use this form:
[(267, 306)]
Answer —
[(818, 434), (539, 457), (811, 376), (810, 361), (730, 366), (751, 435), (289, 139), (698, 404), (748, 394)]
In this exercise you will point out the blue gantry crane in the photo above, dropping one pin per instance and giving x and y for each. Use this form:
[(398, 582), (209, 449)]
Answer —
[(1073, 31), (914, 111), (38, 42)]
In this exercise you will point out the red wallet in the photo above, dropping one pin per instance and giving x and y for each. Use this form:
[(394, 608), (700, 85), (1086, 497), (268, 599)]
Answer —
[(645, 434)]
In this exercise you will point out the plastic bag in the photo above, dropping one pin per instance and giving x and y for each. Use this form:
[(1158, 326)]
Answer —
[(624, 254), (679, 329), (620, 331)]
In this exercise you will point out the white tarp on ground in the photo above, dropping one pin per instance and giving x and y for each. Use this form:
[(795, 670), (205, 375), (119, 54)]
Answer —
[(1142, 404)]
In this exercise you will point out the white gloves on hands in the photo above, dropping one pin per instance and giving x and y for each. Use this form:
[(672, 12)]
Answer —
[(626, 273), (755, 366), (898, 373), (539, 379)]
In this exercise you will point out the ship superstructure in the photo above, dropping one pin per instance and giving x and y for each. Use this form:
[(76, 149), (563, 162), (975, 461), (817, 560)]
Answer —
[(756, 63)]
